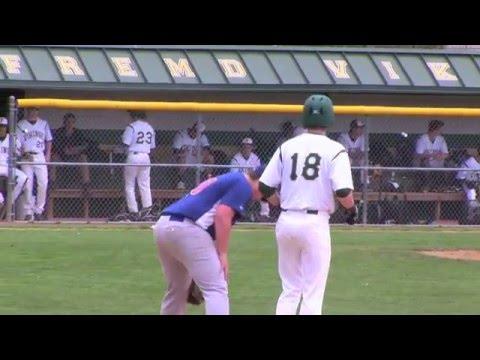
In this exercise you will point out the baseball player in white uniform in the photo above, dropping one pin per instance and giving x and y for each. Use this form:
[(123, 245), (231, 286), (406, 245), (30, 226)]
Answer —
[(139, 138), (311, 169), (185, 148), (20, 177), (470, 182), (246, 157), (35, 139), (354, 142), (431, 150)]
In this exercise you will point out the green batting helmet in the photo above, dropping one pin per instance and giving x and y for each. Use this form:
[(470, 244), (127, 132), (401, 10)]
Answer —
[(318, 112)]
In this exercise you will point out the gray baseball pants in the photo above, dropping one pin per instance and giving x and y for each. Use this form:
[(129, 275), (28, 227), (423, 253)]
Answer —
[(188, 252)]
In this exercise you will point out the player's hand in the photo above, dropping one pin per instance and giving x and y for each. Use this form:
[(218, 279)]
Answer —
[(351, 215), (224, 265)]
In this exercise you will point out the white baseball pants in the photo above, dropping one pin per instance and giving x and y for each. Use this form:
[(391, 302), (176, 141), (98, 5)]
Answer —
[(20, 180), (39, 172), (186, 251), (140, 174), (304, 252)]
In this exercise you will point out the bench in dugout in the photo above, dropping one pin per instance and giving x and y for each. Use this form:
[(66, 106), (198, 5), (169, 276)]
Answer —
[(169, 195)]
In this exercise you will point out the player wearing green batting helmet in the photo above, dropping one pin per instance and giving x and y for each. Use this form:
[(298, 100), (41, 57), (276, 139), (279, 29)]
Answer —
[(318, 112)]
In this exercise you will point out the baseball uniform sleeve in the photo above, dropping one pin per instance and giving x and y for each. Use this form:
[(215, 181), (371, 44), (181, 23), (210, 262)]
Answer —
[(20, 136), (341, 172), (18, 147), (153, 144), (256, 161), (127, 136), (234, 162), (362, 143), (48, 132), (237, 196), (341, 140), (177, 141), (444, 146), (272, 175), (204, 141), (420, 146)]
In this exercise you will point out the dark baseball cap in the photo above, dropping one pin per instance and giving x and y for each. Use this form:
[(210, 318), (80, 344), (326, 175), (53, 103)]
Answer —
[(137, 114), (357, 124), (435, 125)]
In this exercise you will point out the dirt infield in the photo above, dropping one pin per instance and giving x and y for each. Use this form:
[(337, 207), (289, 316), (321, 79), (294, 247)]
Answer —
[(466, 255)]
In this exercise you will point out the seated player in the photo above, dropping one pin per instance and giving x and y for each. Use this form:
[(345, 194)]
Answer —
[(20, 177), (186, 147), (431, 150), (247, 158), (470, 182)]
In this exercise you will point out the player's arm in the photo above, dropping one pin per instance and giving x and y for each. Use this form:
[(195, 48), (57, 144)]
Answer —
[(444, 152), (232, 202), (127, 136), (18, 146), (223, 226), (48, 142), (234, 162), (48, 151), (421, 152), (271, 178), (342, 184), (153, 142), (178, 152)]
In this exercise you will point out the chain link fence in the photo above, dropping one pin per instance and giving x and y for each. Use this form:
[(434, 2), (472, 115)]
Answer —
[(406, 170)]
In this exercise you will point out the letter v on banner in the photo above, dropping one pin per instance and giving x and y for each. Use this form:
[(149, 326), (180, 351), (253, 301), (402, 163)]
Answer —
[(338, 68)]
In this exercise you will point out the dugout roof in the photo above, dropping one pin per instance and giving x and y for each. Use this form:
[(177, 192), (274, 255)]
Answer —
[(240, 68)]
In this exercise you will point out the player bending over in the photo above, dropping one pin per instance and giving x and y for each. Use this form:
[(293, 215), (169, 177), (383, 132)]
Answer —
[(185, 235)]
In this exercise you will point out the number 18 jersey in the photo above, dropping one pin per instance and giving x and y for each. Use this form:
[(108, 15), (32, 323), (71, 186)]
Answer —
[(309, 169), (139, 136)]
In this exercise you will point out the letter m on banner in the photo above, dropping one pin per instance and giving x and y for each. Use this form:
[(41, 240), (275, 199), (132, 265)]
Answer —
[(179, 69)]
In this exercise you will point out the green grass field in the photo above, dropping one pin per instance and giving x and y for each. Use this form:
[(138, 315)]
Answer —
[(115, 271)]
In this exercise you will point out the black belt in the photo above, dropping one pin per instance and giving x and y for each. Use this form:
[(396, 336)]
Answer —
[(32, 153), (312, 212), (136, 153), (177, 218)]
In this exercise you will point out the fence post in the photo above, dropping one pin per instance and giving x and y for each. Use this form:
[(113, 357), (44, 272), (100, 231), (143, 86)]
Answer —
[(198, 145), (364, 173), (11, 158)]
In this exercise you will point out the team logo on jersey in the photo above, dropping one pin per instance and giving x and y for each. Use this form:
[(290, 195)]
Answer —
[(203, 186)]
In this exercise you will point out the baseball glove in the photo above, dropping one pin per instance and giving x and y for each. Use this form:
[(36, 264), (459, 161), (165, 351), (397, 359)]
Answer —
[(351, 215), (27, 157), (195, 296)]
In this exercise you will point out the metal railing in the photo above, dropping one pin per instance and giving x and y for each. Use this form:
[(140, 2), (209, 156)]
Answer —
[(91, 181)]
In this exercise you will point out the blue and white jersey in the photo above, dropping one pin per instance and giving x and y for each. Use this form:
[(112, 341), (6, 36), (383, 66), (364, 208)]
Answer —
[(231, 189)]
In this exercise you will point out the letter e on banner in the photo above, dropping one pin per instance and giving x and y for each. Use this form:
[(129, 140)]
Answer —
[(124, 66)]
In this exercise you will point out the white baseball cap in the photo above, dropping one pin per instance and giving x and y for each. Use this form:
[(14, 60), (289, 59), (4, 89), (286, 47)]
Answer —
[(3, 121), (247, 141)]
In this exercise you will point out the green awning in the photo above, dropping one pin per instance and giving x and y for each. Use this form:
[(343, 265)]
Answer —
[(240, 68)]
